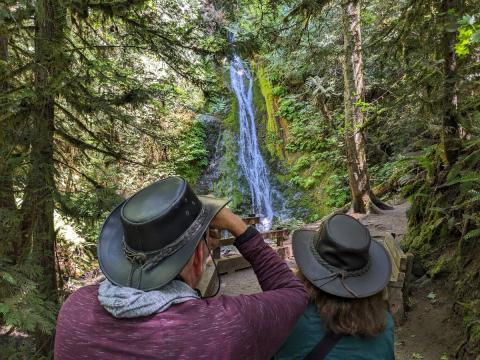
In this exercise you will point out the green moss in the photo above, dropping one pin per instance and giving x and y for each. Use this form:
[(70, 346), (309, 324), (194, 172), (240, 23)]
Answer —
[(314, 173), (228, 184), (322, 189), (273, 132), (231, 121), (440, 267)]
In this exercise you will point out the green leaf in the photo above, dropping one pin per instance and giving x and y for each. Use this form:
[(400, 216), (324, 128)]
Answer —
[(464, 179), (475, 37), (475, 233), (467, 20), (8, 278)]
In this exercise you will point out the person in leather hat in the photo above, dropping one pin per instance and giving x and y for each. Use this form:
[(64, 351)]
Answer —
[(345, 272), (153, 250)]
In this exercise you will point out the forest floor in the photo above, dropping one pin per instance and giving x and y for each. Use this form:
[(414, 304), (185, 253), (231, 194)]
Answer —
[(429, 332)]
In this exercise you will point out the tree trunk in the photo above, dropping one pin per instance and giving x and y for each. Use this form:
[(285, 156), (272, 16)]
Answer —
[(327, 115), (354, 117), (451, 137), (8, 208), (41, 183), (363, 199), (38, 204)]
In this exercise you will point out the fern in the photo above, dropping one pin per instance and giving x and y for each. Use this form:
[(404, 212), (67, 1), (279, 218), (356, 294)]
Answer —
[(22, 306), (475, 233), (427, 164), (464, 177)]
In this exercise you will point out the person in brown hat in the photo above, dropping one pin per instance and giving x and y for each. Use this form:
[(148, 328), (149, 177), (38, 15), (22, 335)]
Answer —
[(152, 250), (345, 272)]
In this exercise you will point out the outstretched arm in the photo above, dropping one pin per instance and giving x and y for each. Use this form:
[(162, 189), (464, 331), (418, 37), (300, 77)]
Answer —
[(271, 315)]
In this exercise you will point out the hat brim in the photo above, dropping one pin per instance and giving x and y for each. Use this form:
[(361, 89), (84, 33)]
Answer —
[(371, 282), (116, 267)]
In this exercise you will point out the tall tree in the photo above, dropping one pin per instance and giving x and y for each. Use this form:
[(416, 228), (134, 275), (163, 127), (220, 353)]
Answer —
[(38, 204), (450, 139), (12, 119), (363, 199), (7, 199)]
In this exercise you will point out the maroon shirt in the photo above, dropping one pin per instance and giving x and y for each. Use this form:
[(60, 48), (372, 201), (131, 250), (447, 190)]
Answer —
[(226, 327)]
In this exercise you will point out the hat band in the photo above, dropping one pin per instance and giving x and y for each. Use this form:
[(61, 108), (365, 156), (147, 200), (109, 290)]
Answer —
[(150, 259)]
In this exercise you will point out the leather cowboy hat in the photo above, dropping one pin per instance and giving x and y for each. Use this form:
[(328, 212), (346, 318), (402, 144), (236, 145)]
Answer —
[(147, 240), (341, 258)]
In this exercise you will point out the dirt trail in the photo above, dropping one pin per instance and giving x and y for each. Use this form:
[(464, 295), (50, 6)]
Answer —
[(429, 332), (392, 221)]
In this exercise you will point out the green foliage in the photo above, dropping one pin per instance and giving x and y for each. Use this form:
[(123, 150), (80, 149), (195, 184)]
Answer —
[(440, 267), (337, 191), (472, 234), (312, 153), (304, 183), (191, 158), (218, 105), (364, 106), (471, 316), (22, 305), (389, 171), (468, 35), (444, 223), (119, 85), (86, 209)]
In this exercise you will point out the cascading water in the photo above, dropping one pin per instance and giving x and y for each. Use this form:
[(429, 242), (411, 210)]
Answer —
[(249, 157)]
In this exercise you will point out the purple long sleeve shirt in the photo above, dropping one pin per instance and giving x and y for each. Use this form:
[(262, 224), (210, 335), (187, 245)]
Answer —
[(226, 327)]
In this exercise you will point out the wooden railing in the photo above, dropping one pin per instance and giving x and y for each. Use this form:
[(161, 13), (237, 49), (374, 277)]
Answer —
[(398, 287), (231, 263)]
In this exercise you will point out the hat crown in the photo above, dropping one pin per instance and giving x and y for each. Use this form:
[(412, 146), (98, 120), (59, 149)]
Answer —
[(158, 214), (343, 242)]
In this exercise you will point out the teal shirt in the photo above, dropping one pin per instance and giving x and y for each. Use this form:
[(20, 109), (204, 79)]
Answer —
[(310, 329)]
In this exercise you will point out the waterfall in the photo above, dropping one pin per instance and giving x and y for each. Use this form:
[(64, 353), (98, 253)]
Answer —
[(250, 159)]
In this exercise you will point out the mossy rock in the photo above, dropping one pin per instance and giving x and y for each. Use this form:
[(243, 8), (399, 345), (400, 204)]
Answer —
[(265, 105), (231, 121), (320, 195)]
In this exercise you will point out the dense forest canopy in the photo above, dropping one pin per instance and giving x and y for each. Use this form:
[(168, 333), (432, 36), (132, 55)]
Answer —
[(355, 102)]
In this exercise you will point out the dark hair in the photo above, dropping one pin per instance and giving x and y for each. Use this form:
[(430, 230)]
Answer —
[(361, 317)]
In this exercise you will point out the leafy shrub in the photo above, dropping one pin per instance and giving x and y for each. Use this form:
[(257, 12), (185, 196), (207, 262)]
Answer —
[(191, 156), (22, 306)]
